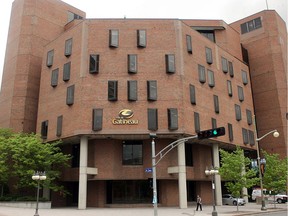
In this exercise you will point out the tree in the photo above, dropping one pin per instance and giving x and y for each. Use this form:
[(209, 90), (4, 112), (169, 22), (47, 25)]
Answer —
[(276, 173), (236, 172), (23, 154)]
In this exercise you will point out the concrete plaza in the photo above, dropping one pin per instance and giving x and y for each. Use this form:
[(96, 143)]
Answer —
[(248, 209)]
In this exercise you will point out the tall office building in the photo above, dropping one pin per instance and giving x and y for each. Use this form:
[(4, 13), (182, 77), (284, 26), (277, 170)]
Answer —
[(103, 86)]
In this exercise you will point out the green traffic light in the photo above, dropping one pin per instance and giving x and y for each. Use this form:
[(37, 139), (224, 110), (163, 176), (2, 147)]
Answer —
[(215, 132)]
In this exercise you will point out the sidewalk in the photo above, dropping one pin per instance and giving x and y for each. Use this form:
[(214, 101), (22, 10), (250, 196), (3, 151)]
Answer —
[(248, 209)]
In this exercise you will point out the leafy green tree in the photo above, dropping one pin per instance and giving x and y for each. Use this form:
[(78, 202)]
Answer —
[(235, 172), (276, 173), (23, 154)]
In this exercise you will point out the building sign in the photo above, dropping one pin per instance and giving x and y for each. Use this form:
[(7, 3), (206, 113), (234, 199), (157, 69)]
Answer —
[(125, 118)]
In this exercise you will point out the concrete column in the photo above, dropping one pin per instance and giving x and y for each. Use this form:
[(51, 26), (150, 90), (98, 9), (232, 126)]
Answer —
[(82, 197), (216, 163), (182, 176), (244, 190)]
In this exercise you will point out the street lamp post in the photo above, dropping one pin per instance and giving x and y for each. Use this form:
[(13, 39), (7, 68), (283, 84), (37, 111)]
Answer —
[(275, 134), (212, 172), (38, 176)]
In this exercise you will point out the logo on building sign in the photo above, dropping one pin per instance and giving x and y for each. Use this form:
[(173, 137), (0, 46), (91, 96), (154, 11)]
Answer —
[(125, 118)]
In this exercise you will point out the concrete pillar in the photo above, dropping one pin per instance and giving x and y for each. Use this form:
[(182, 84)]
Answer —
[(182, 176), (216, 163), (82, 197)]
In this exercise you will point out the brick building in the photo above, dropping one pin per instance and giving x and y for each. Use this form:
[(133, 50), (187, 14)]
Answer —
[(103, 85)]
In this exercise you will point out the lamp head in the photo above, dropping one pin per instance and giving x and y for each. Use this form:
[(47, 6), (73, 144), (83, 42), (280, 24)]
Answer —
[(276, 134)]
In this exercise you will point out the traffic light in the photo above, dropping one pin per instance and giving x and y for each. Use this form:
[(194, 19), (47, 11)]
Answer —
[(211, 133)]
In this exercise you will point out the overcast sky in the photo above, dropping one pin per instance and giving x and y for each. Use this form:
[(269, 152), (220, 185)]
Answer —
[(227, 10)]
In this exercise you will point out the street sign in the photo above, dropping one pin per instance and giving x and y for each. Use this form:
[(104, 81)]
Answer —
[(148, 170)]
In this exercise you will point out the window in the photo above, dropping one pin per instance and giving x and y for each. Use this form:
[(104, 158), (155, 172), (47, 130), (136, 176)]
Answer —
[(70, 95), (229, 88), (152, 119), (208, 34), (192, 94), (251, 25), (214, 122), (189, 154), (132, 152), (50, 56), (251, 137), (224, 65), (152, 90), (141, 38), (59, 126), (170, 63), (209, 58), (189, 44), (112, 90), (245, 136), (54, 77), (196, 122), (66, 71), (211, 80), (238, 112), (113, 38), (97, 119), (68, 47), (249, 117), (94, 64), (72, 16), (216, 103), (201, 72), (231, 70), (230, 132), (44, 129), (244, 77), (132, 90), (240, 94), (132, 63), (172, 119)]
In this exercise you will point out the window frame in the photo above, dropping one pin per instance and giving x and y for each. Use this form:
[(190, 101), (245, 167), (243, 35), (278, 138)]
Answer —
[(229, 88), (211, 78), (172, 118), (244, 75), (170, 63), (152, 115), (201, 73), (68, 47), (97, 119), (141, 38), (216, 104), (152, 90), (132, 63), (50, 58), (59, 125), (112, 90), (70, 95), (224, 63), (132, 90), (189, 44), (94, 65), (114, 38), (192, 94), (240, 93), (132, 152), (197, 122), (238, 112), (209, 56), (54, 77), (66, 71)]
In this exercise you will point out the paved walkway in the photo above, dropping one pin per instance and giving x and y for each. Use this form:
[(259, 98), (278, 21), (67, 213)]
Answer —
[(248, 209)]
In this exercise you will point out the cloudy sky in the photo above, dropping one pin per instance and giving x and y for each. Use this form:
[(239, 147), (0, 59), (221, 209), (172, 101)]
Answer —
[(227, 10)]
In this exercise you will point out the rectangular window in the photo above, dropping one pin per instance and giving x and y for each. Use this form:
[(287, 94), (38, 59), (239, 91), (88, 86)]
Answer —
[(132, 63), (44, 129), (196, 122), (189, 154), (230, 132), (172, 119), (231, 70), (132, 90), (244, 77), (132, 152), (251, 25), (240, 94), (97, 119), (68, 47), (170, 63), (245, 136), (216, 104), (66, 71), (214, 122), (112, 90), (209, 57), (249, 117), (192, 94), (224, 65), (238, 112), (141, 38), (251, 137), (94, 64), (50, 56), (113, 38), (59, 126), (54, 77), (152, 119), (201, 73), (70, 95), (229, 88), (189, 44), (151, 90), (211, 80), (208, 34)]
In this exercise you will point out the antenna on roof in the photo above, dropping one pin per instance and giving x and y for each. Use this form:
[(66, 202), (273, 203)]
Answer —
[(267, 4)]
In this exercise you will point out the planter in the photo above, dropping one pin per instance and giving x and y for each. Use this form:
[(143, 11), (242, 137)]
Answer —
[(27, 204)]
